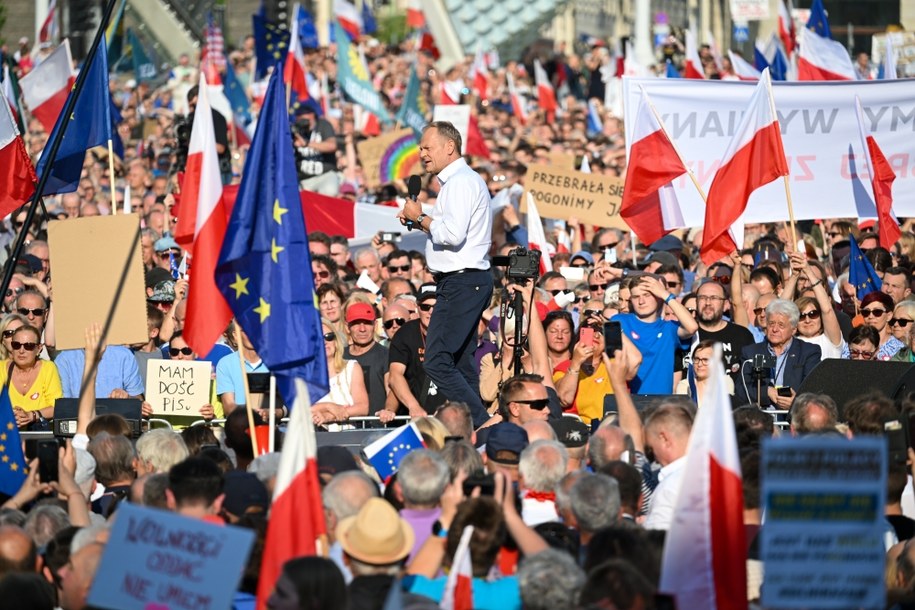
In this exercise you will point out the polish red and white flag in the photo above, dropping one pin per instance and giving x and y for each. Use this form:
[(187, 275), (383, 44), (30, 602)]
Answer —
[(46, 87), (823, 59), (517, 101), (546, 94), (17, 175), (882, 177), (743, 69), (703, 560), (755, 157), (692, 66), (202, 222)]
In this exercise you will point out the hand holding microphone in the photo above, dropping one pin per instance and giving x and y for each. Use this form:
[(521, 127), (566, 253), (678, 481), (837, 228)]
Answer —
[(414, 185)]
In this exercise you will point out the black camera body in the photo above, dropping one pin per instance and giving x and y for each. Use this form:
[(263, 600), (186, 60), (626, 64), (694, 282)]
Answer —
[(523, 264), (763, 361)]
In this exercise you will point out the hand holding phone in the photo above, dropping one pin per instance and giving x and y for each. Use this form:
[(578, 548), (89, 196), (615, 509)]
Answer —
[(48, 456), (613, 338)]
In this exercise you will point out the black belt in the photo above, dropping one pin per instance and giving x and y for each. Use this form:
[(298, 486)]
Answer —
[(438, 276)]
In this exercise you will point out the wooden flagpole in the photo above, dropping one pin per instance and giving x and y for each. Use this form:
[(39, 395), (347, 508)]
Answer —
[(791, 221)]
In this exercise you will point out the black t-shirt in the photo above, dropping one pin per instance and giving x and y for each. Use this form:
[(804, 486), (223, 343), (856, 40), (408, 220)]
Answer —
[(408, 348), (374, 365), (733, 339), (221, 133), (311, 162)]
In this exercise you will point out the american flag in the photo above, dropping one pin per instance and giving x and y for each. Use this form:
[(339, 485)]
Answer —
[(214, 57)]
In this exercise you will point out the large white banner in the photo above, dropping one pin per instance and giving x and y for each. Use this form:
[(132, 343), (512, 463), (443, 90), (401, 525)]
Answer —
[(820, 133)]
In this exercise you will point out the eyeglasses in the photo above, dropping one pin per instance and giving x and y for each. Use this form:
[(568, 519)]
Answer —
[(612, 244), (426, 306), (9, 332), (396, 268), (556, 291), (174, 352), (758, 311), (389, 324), (722, 279), (813, 314), (861, 354), (673, 284), (538, 404), (900, 322), (330, 337), (37, 312), (596, 287), (580, 265), (588, 313), (876, 312), (28, 346), (167, 254), (17, 291), (702, 361), (323, 274), (709, 297)]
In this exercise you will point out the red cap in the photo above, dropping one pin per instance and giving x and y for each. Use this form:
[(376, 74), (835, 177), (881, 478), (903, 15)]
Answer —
[(360, 311)]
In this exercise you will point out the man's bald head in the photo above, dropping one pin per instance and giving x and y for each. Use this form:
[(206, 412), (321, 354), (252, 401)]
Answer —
[(17, 551), (606, 445), (538, 430)]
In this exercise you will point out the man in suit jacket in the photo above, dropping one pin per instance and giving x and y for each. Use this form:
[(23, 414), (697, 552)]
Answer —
[(794, 359)]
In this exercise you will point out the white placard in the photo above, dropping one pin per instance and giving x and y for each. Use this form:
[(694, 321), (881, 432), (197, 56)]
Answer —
[(750, 10), (178, 387)]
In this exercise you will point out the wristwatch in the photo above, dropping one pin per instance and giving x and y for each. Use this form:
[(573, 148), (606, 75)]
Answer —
[(439, 530), (420, 218)]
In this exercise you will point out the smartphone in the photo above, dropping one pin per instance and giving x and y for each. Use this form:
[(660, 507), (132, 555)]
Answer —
[(486, 483), (895, 436), (47, 453), (573, 274), (610, 255), (586, 336), (613, 338), (783, 391), (390, 236)]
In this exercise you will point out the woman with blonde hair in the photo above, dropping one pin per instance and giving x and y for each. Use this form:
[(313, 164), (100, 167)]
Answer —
[(9, 325), (348, 396), (433, 432)]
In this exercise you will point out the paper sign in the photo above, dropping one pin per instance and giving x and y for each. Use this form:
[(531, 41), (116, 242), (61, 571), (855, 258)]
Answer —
[(457, 115), (564, 193), (178, 387), (158, 559), (97, 269), (822, 543), (389, 157), (749, 10)]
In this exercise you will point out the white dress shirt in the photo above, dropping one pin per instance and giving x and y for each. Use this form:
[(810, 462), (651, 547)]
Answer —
[(461, 227), (664, 498)]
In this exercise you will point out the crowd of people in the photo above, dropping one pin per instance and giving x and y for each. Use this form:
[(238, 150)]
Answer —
[(531, 427)]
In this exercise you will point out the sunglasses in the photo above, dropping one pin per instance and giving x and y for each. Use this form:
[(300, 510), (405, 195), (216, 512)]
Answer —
[(330, 337), (722, 279), (389, 324), (556, 291), (588, 313), (10, 292), (813, 314), (538, 405), (426, 306), (900, 322), (27, 346), (857, 353), (37, 312), (168, 254), (596, 287), (759, 311), (323, 274), (176, 351), (876, 312), (9, 332), (673, 284), (612, 244), (396, 268), (581, 265)]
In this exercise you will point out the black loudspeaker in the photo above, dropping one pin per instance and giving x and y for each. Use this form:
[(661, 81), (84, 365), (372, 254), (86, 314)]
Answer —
[(843, 380)]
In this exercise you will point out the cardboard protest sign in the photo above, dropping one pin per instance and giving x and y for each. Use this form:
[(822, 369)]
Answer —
[(823, 541), (903, 50), (457, 115), (97, 270), (159, 559), (563, 193), (177, 387), (389, 157), (561, 159)]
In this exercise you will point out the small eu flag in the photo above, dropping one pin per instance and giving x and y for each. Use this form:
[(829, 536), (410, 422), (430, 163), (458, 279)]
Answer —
[(860, 271), (270, 44), (386, 453), (13, 468)]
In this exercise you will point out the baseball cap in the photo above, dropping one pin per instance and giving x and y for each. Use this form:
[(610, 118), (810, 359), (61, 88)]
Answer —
[(244, 491), (164, 292), (570, 431), (426, 292), (360, 311), (505, 443), (582, 254)]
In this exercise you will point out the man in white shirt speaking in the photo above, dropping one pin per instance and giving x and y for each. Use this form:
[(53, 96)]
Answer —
[(457, 252)]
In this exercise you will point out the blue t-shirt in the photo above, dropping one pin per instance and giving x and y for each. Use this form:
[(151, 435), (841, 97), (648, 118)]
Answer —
[(657, 341), (228, 376), (501, 594), (117, 370)]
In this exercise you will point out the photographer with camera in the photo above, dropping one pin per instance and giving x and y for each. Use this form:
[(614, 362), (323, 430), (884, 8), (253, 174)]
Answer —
[(221, 131), (457, 252), (315, 146), (778, 365)]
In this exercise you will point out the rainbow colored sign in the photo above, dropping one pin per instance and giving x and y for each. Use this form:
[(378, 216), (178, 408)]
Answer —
[(389, 157)]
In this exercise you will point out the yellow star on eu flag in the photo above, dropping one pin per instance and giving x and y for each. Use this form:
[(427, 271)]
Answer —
[(263, 310), (275, 250), (240, 285), (3, 436), (9, 426), (6, 458), (14, 466), (278, 212)]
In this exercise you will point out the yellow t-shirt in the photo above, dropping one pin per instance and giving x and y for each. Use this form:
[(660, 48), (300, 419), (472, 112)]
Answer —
[(589, 401), (44, 391)]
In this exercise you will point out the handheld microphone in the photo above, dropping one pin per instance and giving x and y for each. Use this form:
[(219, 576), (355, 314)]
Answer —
[(414, 185)]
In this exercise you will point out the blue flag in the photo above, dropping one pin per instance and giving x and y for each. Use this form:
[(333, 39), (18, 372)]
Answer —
[(672, 71), (235, 93), (779, 66), (308, 34), (413, 108), (353, 77), (264, 268), (143, 68), (116, 119), (860, 271), (759, 59), (13, 468), (369, 25), (818, 22), (270, 44), (88, 125), (386, 453)]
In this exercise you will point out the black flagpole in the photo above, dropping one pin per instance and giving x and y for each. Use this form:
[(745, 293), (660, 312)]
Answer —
[(52, 150)]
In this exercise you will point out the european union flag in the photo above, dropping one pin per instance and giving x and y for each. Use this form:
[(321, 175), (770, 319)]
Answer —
[(759, 59), (88, 125), (860, 271), (779, 66), (264, 268), (270, 44), (308, 34), (369, 25), (818, 22), (386, 453), (13, 468), (235, 93)]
